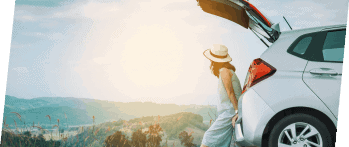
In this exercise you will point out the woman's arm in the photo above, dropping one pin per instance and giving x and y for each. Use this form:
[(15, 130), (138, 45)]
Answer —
[(226, 78)]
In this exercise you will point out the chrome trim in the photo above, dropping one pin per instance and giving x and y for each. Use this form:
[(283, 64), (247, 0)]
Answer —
[(238, 134)]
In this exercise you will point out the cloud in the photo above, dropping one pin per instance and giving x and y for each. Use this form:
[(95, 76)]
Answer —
[(21, 70), (27, 18), (56, 36), (34, 34)]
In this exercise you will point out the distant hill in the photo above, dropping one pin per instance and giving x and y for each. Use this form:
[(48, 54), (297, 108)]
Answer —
[(79, 111), (25, 104)]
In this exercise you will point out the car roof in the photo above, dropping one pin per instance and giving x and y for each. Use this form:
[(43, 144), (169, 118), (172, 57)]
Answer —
[(315, 29)]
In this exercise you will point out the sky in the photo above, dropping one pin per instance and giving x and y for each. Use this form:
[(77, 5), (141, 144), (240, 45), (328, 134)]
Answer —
[(144, 50)]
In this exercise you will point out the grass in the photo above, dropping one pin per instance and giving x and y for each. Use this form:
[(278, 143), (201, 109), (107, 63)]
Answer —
[(133, 133)]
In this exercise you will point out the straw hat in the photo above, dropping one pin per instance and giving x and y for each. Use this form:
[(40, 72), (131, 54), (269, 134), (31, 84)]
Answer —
[(218, 53)]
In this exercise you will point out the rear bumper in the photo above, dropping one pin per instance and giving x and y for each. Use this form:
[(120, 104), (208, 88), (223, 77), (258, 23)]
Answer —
[(254, 115), (239, 136)]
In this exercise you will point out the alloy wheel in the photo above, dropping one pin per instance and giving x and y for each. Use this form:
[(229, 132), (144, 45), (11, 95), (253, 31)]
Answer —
[(300, 134)]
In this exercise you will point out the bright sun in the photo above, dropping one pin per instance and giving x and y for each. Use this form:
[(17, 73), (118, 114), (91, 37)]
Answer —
[(152, 57)]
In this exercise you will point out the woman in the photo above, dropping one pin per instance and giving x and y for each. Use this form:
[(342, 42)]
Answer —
[(221, 131)]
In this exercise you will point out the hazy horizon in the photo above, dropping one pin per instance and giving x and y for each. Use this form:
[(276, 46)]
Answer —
[(116, 101)]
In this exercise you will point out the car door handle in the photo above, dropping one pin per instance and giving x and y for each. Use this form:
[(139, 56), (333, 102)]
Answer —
[(323, 71)]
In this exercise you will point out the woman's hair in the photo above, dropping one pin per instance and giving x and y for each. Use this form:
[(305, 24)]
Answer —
[(216, 66)]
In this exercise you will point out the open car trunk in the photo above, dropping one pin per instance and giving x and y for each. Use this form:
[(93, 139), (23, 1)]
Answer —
[(243, 13)]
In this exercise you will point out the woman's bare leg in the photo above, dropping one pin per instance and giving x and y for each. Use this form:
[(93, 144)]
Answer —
[(203, 145)]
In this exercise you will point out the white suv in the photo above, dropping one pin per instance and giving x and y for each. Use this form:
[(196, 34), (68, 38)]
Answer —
[(291, 93)]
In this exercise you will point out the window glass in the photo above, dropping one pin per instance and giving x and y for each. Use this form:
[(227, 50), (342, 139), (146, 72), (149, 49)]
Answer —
[(333, 49), (302, 45)]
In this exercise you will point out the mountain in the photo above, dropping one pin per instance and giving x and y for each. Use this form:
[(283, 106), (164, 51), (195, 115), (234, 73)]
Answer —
[(24, 104), (79, 111)]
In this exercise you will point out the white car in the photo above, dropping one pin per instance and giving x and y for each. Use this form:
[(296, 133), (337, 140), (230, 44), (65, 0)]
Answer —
[(291, 93)]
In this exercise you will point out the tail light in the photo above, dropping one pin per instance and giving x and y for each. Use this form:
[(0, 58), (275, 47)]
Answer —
[(258, 71)]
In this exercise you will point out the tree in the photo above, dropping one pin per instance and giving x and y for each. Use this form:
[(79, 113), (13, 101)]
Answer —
[(154, 137), (139, 138), (117, 140), (186, 139)]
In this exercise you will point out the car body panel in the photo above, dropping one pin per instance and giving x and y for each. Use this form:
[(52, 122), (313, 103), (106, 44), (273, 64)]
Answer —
[(326, 87), (256, 115), (323, 74), (286, 89), (227, 9), (277, 56)]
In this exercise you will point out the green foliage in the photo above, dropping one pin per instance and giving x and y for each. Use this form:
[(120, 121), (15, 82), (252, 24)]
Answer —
[(117, 140), (186, 139), (150, 138), (10, 139), (139, 138), (154, 137), (27, 133)]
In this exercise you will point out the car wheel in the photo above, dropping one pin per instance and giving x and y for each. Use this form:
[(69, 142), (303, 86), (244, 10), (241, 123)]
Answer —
[(300, 130)]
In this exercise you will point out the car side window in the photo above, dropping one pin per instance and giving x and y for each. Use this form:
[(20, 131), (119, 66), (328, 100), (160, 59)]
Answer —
[(333, 48), (302, 45)]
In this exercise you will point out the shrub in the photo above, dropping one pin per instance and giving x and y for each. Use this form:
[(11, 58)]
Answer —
[(139, 138), (186, 139), (117, 140), (154, 137), (150, 138), (25, 139)]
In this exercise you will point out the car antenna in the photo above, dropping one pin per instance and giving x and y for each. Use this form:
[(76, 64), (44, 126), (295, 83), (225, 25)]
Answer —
[(287, 22), (259, 38)]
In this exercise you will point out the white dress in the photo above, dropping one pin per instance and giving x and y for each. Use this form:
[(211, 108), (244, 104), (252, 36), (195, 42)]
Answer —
[(221, 132)]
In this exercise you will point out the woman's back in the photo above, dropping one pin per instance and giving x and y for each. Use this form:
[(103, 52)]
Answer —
[(224, 102)]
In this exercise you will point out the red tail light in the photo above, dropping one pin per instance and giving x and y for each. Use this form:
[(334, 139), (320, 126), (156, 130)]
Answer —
[(258, 71)]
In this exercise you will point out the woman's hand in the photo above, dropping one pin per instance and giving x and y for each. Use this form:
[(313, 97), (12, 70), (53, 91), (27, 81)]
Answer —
[(233, 120)]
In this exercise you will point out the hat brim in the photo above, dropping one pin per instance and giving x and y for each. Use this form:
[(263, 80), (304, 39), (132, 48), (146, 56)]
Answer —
[(208, 55)]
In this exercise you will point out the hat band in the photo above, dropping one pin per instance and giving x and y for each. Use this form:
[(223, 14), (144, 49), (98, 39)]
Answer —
[(217, 56)]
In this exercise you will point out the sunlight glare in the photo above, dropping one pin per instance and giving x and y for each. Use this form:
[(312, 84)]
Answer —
[(153, 56)]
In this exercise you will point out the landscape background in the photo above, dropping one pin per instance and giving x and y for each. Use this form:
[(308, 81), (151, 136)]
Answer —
[(75, 113), (80, 110)]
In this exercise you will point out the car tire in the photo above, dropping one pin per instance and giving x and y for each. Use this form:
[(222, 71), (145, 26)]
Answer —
[(304, 124)]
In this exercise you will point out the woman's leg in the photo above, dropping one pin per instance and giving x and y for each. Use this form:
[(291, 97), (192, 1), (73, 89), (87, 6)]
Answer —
[(220, 132), (203, 145)]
